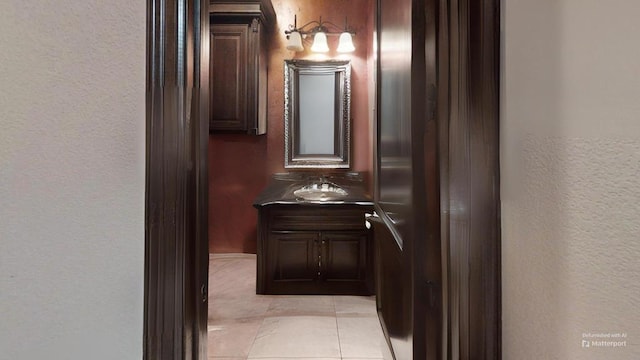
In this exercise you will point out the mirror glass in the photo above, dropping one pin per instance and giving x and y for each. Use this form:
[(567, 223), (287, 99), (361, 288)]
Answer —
[(317, 113)]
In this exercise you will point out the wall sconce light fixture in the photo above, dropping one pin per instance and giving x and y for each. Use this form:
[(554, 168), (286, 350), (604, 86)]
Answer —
[(319, 30)]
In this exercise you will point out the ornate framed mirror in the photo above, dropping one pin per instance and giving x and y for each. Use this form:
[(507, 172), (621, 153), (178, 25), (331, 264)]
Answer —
[(317, 101)]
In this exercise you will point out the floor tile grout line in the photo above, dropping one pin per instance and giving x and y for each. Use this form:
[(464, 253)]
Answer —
[(335, 313), (255, 337)]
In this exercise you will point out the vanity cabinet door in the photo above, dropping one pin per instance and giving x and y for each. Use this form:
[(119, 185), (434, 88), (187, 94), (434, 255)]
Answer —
[(346, 260), (344, 256), (295, 257)]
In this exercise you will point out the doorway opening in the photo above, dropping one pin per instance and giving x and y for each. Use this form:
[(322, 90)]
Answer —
[(240, 167)]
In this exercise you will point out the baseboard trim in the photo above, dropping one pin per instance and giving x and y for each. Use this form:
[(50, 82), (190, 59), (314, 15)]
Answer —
[(232, 256)]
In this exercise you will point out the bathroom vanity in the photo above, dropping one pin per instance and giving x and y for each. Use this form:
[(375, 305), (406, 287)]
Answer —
[(312, 237)]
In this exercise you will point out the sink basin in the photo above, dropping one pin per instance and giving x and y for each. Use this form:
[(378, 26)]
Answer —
[(320, 192)]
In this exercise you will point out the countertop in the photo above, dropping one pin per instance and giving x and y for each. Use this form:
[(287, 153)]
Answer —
[(282, 185)]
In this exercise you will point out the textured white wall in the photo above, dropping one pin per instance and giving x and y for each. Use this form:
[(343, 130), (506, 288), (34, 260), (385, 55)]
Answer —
[(570, 174), (72, 114)]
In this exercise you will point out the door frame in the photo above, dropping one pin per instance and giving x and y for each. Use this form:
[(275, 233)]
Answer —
[(420, 255), (468, 127), (176, 184), (176, 188)]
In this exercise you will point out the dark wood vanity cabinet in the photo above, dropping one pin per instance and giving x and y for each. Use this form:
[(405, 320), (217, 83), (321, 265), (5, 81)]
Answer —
[(314, 249), (238, 65)]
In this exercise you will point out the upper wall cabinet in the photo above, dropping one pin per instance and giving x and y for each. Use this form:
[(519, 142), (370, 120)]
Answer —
[(239, 32)]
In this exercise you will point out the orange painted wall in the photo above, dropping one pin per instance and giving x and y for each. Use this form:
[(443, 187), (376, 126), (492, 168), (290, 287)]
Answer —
[(241, 165)]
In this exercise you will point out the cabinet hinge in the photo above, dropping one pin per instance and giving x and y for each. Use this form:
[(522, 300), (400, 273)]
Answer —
[(254, 25), (432, 102), (432, 293)]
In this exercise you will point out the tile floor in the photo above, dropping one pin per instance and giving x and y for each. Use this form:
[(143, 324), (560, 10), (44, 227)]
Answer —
[(243, 325)]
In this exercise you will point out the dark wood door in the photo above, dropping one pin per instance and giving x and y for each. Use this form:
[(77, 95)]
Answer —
[(401, 233), (437, 178), (393, 297), (229, 64)]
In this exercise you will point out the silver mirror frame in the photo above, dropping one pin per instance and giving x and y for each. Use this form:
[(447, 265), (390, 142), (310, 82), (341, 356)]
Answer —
[(340, 159)]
